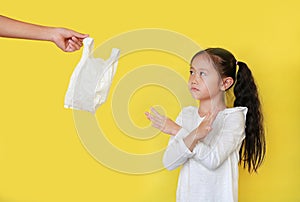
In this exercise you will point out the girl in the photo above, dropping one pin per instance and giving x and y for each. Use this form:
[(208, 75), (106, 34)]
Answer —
[(211, 140)]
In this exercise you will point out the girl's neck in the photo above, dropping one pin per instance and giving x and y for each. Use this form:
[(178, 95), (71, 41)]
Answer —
[(210, 105)]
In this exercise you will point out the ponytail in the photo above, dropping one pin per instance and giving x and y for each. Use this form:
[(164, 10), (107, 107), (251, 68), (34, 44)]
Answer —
[(253, 148)]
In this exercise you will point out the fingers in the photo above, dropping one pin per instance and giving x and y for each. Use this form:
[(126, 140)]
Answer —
[(214, 114), (77, 41), (163, 123), (209, 119), (152, 118), (79, 35), (155, 112), (148, 115), (73, 44), (157, 119), (158, 116), (72, 40), (66, 39)]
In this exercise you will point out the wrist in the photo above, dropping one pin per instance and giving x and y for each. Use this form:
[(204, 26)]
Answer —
[(199, 137), (51, 34), (176, 129), (200, 134)]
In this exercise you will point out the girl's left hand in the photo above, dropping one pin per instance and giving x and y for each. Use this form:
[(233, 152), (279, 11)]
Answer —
[(163, 123)]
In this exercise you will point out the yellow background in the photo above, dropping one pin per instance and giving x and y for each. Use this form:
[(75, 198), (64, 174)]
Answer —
[(41, 156)]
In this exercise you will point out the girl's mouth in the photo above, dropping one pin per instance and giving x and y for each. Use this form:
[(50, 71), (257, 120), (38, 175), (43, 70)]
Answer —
[(194, 89)]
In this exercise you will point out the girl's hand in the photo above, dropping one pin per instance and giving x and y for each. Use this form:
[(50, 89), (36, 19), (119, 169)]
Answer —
[(206, 125), (162, 123), (201, 131)]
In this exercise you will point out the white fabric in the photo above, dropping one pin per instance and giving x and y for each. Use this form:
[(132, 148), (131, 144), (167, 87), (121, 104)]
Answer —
[(210, 171), (91, 80)]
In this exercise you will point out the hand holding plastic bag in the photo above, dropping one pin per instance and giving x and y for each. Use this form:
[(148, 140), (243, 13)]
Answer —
[(91, 79)]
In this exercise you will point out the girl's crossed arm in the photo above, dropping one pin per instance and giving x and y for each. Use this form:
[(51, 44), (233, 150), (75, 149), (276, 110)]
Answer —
[(182, 142), (188, 144), (225, 140)]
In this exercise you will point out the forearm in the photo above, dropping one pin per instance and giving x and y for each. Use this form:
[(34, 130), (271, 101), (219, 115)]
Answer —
[(177, 152), (191, 140), (17, 29), (174, 129)]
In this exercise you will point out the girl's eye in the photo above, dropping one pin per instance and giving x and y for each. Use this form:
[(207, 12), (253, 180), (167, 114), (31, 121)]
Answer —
[(191, 72), (202, 74)]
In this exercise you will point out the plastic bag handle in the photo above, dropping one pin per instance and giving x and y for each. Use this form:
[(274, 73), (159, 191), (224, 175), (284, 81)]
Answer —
[(88, 47)]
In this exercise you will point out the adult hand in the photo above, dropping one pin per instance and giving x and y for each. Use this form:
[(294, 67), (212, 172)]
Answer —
[(67, 40)]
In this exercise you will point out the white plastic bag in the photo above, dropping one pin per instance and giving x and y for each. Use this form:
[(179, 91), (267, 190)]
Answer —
[(91, 80)]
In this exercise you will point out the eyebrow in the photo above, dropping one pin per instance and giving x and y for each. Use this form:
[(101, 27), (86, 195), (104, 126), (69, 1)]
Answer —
[(201, 69)]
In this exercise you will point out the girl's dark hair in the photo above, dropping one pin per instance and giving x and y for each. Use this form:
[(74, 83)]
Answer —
[(253, 147)]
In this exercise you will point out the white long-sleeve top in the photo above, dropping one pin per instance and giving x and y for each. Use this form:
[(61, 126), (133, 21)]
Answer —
[(210, 171)]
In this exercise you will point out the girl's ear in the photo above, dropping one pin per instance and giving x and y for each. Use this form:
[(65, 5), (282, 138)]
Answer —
[(226, 83)]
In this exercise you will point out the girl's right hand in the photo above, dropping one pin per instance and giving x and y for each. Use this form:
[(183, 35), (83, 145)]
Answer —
[(162, 123)]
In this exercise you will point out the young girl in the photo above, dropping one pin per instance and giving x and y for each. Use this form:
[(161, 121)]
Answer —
[(210, 141)]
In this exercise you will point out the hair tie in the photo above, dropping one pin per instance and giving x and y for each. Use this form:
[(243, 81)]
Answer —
[(237, 63)]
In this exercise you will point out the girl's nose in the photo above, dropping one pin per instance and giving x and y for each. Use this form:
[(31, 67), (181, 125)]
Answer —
[(194, 79)]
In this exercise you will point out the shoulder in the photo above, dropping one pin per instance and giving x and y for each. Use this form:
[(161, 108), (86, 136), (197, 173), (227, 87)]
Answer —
[(190, 110), (236, 111), (234, 115)]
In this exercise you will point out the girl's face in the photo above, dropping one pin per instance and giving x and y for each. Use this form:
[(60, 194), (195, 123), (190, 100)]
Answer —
[(204, 82)]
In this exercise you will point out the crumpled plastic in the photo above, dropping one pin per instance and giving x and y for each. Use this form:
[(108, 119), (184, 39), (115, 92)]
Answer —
[(91, 79)]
